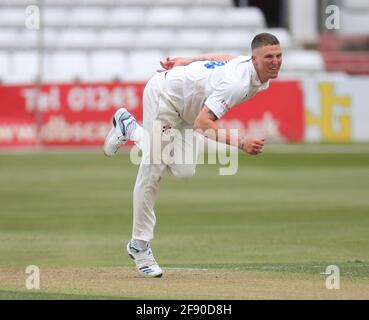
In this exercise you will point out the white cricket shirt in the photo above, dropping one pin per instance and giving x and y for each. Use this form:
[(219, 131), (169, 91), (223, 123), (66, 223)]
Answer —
[(219, 85)]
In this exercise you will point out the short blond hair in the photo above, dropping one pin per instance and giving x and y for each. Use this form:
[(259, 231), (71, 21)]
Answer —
[(263, 39)]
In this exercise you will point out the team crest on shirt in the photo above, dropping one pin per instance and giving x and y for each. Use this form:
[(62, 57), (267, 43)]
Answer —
[(214, 64), (166, 129)]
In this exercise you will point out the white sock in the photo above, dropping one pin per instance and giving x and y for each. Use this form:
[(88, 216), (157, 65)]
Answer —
[(140, 244)]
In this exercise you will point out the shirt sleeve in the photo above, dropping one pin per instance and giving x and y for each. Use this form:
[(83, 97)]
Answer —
[(226, 96)]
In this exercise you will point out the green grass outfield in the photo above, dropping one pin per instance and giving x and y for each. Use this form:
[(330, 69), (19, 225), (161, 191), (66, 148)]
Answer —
[(265, 233)]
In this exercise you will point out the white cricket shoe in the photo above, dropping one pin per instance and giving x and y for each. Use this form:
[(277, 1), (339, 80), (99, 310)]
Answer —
[(123, 125), (145, 261)]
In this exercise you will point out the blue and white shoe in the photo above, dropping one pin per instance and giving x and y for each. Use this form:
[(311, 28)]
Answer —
[(123, 125), (145, 261)]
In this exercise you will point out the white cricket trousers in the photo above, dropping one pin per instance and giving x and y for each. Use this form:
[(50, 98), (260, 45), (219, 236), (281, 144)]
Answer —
[(158, 107)]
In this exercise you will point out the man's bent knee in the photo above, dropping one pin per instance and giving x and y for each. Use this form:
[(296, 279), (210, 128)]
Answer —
[(183, 171)]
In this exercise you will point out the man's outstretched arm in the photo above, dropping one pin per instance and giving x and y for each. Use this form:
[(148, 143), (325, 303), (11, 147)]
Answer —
[(170, 63), (206, 124)]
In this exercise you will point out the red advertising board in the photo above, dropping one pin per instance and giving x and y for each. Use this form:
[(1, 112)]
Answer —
[(79, 114), (276, 113), (63, 114)]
